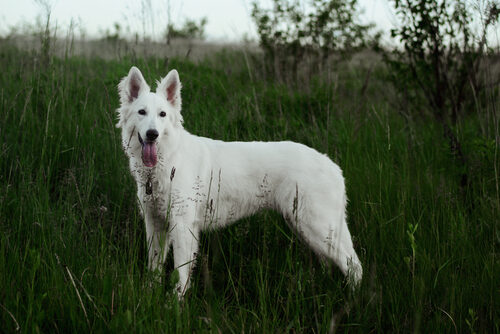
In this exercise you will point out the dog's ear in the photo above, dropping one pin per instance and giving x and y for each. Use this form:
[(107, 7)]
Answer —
[(129, 88), (170, 88), (132, 86)]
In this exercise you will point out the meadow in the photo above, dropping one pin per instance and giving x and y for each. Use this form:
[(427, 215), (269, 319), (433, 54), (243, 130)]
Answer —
[(72, 243)]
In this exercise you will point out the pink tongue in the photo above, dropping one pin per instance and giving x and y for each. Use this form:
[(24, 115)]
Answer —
[(149, 157)]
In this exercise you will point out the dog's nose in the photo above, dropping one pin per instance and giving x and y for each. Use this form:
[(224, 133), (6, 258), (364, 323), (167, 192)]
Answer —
[(151, 134)]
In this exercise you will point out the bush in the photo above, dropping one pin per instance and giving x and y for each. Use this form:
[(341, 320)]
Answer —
[(291, 33), (190, 30), (441, 61), (442, 53)]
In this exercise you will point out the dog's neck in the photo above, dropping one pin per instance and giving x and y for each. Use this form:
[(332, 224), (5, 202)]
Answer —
[(167, 155)]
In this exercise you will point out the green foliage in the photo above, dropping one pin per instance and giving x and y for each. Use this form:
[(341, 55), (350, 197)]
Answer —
[(293, 32), (72, 245), (443, 53), (190, 30), (116, 36), (443, 64)]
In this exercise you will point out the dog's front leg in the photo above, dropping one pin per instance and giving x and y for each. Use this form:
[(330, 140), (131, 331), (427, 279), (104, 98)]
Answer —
[(157, 244), (185, 246)]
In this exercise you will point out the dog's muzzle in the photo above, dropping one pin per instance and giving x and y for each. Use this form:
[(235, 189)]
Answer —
[(149, 152)]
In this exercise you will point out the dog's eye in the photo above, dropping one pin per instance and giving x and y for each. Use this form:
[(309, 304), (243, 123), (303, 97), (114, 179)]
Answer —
[(163, 114), (142, 112)]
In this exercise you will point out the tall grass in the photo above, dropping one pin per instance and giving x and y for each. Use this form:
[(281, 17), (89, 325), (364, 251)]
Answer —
[(72, 244)]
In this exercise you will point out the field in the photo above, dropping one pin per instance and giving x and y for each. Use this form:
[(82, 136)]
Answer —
[(72, 243)]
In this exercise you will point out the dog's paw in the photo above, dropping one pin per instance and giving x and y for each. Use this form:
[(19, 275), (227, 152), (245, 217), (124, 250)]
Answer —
[(354, 275)]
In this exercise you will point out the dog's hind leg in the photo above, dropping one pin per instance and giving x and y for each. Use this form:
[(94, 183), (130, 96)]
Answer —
[(339, 248), (343, 254), (334, 242)]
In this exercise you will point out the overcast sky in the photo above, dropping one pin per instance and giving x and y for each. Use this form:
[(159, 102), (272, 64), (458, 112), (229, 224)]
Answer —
[(227, 19)]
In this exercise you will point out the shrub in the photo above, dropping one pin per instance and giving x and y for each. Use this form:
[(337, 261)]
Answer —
[(190, 30), (441, 61), (291, 33)]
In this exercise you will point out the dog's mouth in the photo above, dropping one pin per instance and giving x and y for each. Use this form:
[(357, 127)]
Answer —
[(149, 153)]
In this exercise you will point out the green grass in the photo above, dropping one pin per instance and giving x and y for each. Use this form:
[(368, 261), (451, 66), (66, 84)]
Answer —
[(72, 244)]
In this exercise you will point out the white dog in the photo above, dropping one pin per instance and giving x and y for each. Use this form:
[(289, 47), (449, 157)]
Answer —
[(187, 184)]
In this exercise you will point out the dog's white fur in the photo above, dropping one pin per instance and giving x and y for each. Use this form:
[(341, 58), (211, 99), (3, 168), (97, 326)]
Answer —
[(200, 183)]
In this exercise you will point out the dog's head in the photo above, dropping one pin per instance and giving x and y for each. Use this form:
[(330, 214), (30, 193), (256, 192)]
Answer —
[(154, 116)]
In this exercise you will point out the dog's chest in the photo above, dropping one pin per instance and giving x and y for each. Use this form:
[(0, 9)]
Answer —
[(154, 194)]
